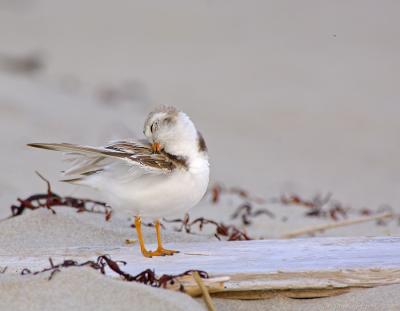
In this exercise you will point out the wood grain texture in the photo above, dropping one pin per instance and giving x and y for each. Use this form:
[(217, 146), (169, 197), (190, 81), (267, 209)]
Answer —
[(298, 268)]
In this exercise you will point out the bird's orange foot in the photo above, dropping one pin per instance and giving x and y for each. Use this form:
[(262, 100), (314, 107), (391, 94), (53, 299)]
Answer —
[(166, 252), (147, 253), (159, 252)]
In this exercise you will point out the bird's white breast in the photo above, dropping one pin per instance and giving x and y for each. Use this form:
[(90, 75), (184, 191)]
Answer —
[(160, 195)]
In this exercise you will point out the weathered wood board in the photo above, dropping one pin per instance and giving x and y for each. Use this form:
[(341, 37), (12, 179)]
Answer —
[(309, 267)]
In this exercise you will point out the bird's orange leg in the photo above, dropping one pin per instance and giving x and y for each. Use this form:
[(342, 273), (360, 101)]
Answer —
[(161, 251), (138, 225)]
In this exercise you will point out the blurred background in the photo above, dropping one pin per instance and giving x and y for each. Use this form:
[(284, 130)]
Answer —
[(291, 96)]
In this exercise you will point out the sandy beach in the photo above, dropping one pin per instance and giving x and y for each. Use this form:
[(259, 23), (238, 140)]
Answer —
[(295, 100)]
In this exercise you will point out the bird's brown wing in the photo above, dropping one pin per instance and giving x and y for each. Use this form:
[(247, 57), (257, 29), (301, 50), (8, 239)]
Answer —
[(89, 160)]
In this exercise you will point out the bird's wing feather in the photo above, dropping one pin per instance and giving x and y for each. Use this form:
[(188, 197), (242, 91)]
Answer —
[(90, 160)]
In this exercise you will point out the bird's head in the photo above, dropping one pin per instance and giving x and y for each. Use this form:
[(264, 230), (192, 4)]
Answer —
[(171, 130)]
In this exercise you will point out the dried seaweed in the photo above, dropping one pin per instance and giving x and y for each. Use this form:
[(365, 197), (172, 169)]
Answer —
[(319, 206), (65, 264), (50, 199), (384, 209), (231, 232), (217, 190), (245, 211), (317, 201), (28, 64), (215, 193), (326, 207), (147, 277)]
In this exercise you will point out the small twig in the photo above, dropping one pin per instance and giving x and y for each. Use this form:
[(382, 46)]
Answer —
[(130, 241), (49, 192), (204, 290), (45, 180), (343, 223)]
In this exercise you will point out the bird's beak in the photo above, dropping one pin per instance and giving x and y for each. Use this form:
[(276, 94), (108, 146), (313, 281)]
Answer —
[(156, 147)]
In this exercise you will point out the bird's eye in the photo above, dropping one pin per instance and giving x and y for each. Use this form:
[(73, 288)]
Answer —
[(153, 127)]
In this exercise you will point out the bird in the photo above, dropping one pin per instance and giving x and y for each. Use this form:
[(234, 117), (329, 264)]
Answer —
[(166, 173)]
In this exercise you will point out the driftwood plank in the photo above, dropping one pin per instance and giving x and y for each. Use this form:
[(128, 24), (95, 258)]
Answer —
[(298, 268)]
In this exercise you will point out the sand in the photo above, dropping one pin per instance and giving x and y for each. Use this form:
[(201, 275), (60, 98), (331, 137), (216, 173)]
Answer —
[(291, 98), (65, 291), (68, 229)]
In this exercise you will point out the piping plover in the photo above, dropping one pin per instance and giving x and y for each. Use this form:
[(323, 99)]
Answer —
[(166, 174)]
